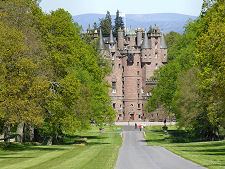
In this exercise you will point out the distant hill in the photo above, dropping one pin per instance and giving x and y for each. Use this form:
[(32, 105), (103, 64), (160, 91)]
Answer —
[(165, 21)]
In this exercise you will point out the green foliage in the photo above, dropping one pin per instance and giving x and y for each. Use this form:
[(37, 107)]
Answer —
[(106, 24), (171, 38), (192, 84), (210, 59), (118, 23), (150, 30), (48, 73), (180, 58), (23, 85)]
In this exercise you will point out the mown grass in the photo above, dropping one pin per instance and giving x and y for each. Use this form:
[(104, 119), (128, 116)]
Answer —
[(209, 154), (95, 151)]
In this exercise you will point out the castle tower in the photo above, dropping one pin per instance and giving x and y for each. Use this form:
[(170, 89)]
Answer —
[(120, 39), (139, 37)]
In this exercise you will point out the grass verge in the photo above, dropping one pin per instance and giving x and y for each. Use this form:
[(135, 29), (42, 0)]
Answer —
[(209, 154), (90, 150)]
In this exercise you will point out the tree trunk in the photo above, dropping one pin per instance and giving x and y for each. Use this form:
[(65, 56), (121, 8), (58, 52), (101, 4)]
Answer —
[(31, 133), (6, 133), (19, 133), (25, 132), (49, 142)]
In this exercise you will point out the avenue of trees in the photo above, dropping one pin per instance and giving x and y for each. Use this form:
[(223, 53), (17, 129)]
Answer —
[(192, 84), (51, 81)]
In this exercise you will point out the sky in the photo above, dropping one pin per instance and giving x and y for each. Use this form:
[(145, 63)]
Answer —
[(77, 7)]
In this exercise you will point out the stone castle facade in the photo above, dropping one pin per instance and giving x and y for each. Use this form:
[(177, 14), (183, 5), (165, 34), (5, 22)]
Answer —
[(134, 56)]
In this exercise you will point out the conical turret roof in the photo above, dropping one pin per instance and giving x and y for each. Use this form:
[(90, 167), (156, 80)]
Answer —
[(145, 43), (101, 41), (111, 39), (162, 42)]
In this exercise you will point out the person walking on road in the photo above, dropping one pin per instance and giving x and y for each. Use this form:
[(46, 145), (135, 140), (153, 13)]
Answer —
[(140, 127), (135, 125)]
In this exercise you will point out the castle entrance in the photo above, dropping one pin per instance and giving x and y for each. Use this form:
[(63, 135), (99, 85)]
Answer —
[(132, 116)]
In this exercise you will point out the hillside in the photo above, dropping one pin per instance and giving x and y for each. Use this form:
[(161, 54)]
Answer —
[(165, 21)]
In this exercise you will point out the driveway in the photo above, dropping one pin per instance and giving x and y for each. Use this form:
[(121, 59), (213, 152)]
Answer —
[(135, 154)]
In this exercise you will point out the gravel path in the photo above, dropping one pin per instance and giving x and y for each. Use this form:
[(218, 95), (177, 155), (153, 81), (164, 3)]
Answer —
[(135, 154)]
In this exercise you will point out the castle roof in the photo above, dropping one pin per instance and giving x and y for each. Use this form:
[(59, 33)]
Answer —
[(162, 42), (111, 39), (145, 43), (101, 42)]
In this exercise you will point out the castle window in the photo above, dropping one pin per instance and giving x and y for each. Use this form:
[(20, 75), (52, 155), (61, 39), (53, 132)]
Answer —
[(112, 66), (138, 95), (138, 73), (139, 116), (120, 115), (156, 66), (128, 39), (139, 106), (164, 55), (119, 66), (121, 106), (113, 87), (123, 68), (113, 57), (145, 56), (138, 85), (137, 63), (156, 45), (114, 105), (142, 90), (156, 55)]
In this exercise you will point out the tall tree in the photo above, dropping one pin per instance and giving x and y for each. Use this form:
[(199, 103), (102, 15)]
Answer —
[(150, 30), (24, 84), (171, 38), (106, 24), (118, 23), (210, 58)]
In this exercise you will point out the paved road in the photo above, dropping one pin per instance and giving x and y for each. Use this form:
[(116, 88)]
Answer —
[(135, 154)]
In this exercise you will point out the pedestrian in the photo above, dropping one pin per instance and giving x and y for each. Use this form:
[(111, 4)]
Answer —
[(140, 127), (135, 125)]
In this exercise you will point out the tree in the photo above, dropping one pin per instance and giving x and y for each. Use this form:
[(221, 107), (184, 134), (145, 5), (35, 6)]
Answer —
[(210, 58), (150, 29), (24, 85), (118, 23), (171, 38), (106, 24), (78, 70)]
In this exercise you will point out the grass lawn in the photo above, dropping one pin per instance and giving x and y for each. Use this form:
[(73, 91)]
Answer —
[(208, 154), (100, 152)]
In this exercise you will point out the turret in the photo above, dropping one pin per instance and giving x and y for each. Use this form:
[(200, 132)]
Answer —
[(120, 39), (111, 41), (101, 42), (163, 42), (145, 43)]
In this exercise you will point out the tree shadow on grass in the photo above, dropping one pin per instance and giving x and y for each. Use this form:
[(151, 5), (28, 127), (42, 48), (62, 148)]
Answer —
[(14, 157), (209, 151), (97, 143), (82, 139), (22, 147)]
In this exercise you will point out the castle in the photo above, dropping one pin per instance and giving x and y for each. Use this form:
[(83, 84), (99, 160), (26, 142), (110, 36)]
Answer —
[(134, 56)]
